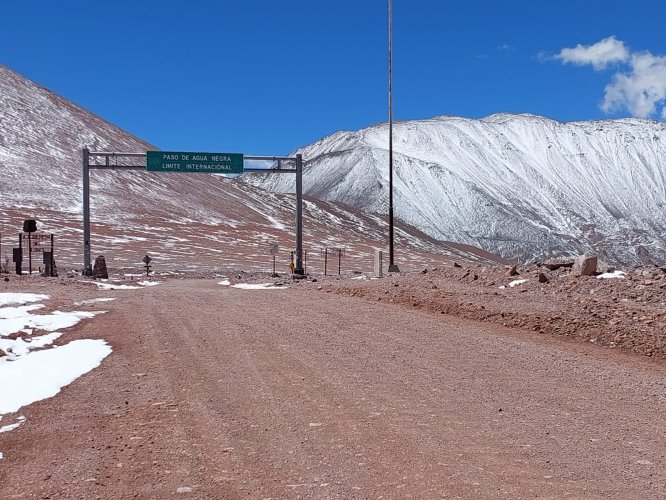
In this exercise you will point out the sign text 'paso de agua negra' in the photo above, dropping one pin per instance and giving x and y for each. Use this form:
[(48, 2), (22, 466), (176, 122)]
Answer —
[(206, 163)]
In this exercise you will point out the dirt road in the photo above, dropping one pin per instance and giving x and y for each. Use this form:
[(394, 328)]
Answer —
[(214, 392)]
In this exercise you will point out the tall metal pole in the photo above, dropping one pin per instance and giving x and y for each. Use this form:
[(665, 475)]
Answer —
[(298, 270), (393, 268), (87, 268)]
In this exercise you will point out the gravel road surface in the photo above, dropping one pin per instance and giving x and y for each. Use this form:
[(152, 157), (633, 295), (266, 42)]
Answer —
[(215, 392)]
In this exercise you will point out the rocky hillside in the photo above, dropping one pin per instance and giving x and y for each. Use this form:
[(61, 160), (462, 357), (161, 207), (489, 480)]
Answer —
[(184, 220), (523, 186)]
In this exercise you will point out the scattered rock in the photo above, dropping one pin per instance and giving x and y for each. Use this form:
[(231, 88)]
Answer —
[(455, 264), (585, 265), (99, 269), (513, 270), (555, 264), (542, 278)]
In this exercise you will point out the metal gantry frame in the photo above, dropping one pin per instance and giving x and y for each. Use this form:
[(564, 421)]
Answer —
[(110, 160)]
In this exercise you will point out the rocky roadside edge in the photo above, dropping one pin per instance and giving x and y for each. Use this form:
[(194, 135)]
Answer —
[(626, 313)]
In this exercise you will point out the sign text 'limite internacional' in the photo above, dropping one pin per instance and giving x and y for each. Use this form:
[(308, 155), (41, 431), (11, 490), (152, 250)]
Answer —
[(205, 163)]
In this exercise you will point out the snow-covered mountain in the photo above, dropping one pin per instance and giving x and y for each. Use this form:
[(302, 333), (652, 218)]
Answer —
[(523, 186), (188, 221)]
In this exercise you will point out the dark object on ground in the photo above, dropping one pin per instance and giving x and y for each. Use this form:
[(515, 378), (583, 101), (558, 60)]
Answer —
[(99, 269), (555, 264)]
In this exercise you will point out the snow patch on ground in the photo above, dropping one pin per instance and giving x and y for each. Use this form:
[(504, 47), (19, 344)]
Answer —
[(42, 374), (11, 427), (93, 301), (27, 376), (115, 286), (7, 299), (614, 274), (258, 286), (514, 283), (18, 312), (224, 283), (49, 322), (21, 347), (149, 283)]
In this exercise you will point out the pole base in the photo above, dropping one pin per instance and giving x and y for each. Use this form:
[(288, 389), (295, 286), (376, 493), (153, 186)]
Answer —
[(393, 268)]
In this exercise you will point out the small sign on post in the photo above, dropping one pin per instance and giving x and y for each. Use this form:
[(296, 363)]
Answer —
[(147, 260), (35, 242), (273, 250)]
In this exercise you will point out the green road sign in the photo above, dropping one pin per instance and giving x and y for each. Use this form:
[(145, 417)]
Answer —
[(206, 163)]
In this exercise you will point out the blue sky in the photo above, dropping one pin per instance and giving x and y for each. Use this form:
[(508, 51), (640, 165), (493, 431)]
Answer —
[(266, 77)]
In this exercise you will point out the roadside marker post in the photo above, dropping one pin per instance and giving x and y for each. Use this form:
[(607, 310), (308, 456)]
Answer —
[(273, 250), (340, 252), (147, 260)]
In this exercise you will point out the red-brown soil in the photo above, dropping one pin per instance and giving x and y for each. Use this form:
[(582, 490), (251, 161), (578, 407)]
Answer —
[(322, 390)]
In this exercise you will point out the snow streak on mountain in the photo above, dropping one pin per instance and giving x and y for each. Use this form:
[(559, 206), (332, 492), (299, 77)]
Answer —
[(523, 186)]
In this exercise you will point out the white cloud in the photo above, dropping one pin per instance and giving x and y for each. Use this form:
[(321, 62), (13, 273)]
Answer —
[(608, 51), (640, 87), (640, 91)]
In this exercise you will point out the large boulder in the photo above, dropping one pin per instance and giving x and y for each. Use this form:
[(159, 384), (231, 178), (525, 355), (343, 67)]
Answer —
[(585, 265), (99, 269)]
